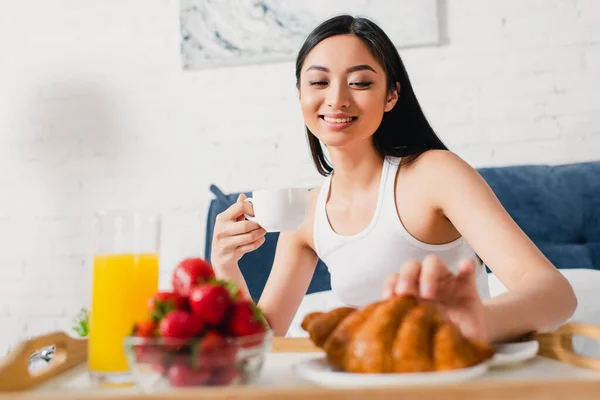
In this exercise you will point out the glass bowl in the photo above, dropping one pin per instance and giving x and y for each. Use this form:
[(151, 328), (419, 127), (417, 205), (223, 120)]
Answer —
[(166, 363)]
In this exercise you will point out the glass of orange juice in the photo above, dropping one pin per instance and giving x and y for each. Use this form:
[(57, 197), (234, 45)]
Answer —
[(125, 276)]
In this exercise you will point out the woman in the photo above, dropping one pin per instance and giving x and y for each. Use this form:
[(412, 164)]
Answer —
[(397, 210)]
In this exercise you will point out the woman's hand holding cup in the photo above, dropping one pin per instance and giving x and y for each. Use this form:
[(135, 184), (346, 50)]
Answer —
[(235, 236)]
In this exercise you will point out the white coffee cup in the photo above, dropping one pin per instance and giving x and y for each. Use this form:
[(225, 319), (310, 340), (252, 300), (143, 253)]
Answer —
[(279, 210)]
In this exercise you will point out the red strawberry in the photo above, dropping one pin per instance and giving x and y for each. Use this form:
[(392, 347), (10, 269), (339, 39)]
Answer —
[(163, 302), (234, 292), (212, 341), (213, 351), (196, 324), (180, 324), (210, 301), (183, 375), (145, 328), (189, 273), (224, 376), (245, 319)]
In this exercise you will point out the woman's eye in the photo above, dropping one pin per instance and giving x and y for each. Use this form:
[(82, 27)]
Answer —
[(317, 83), (361, 84)]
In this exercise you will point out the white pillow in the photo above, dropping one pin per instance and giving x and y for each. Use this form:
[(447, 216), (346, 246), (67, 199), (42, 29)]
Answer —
[(585, 282)]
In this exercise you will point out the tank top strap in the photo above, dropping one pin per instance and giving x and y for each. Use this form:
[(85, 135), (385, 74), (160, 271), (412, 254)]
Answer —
[(393, 165), (320, 216), (388, 206)]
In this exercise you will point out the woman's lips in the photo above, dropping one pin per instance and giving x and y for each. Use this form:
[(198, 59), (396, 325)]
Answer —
[(337, 123)]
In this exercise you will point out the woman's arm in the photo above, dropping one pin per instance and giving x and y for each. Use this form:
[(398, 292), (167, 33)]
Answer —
[(293, 267), (539, 298), (290, 276)]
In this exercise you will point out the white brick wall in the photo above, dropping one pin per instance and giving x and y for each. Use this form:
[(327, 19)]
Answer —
[(94, 108)]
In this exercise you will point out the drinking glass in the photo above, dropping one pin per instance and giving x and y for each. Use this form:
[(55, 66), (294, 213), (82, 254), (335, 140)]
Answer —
[(125, 276)]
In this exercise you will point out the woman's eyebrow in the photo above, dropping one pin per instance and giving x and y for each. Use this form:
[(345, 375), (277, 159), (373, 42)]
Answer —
[(318, 68), (361, 67)]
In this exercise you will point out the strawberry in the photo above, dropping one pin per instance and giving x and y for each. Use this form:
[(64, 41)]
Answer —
[(180, 324), (210, 302), (189, 273), (234, 292), (163, 302), (183, 375), (145, 328), (212, 341), (245, 319), (224, 376), (196, 324), (213, 351)]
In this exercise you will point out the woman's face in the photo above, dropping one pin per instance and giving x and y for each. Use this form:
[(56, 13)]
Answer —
[(343, 91)]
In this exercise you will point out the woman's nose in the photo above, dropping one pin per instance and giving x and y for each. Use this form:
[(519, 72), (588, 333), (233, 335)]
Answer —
[(338, 97)]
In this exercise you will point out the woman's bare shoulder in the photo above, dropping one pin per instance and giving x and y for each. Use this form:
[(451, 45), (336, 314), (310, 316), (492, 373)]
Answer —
[(433, 174), (437, 167), (436, 162)]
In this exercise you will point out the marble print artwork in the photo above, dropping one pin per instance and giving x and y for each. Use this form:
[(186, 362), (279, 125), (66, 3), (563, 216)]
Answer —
[(234, 32)]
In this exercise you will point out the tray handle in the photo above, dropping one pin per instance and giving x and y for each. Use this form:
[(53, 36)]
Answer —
[(293, 345), (14, 370), (559, 344)]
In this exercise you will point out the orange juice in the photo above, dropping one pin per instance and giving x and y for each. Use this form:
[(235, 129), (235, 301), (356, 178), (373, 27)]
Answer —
[(122, 286)]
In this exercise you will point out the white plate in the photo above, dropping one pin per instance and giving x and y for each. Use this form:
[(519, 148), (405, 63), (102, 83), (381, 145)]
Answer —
[(514, 353), (319, 371)]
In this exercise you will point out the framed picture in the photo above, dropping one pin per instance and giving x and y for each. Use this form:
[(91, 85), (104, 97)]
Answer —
[(235, 32)]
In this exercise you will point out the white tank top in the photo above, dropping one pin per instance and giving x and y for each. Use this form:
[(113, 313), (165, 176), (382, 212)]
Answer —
[(358, 264)]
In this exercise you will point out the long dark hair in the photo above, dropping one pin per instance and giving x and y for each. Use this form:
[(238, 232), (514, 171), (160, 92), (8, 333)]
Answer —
[(404, 130)]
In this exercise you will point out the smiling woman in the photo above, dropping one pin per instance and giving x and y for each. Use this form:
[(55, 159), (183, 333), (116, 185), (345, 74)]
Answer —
[(397, 214), (373, 67)]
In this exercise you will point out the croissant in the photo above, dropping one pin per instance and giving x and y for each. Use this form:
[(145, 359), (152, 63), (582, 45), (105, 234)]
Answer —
[(395, 335)]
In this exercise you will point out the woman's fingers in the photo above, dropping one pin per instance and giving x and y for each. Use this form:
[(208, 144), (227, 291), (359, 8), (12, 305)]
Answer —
[(247, 208), (430, 279), (246, 248), (389, 285), (241, 227), (233, 242), (467, 268), (236, 211), (232, 213), (434, 274), (408, 279), (466, 274)]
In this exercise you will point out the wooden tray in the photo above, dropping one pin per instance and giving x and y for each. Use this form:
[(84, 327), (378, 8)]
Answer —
[(15, 376)]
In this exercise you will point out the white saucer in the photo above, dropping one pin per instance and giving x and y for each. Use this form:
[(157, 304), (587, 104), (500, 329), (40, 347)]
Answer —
[(514, 353), (319, 371)]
